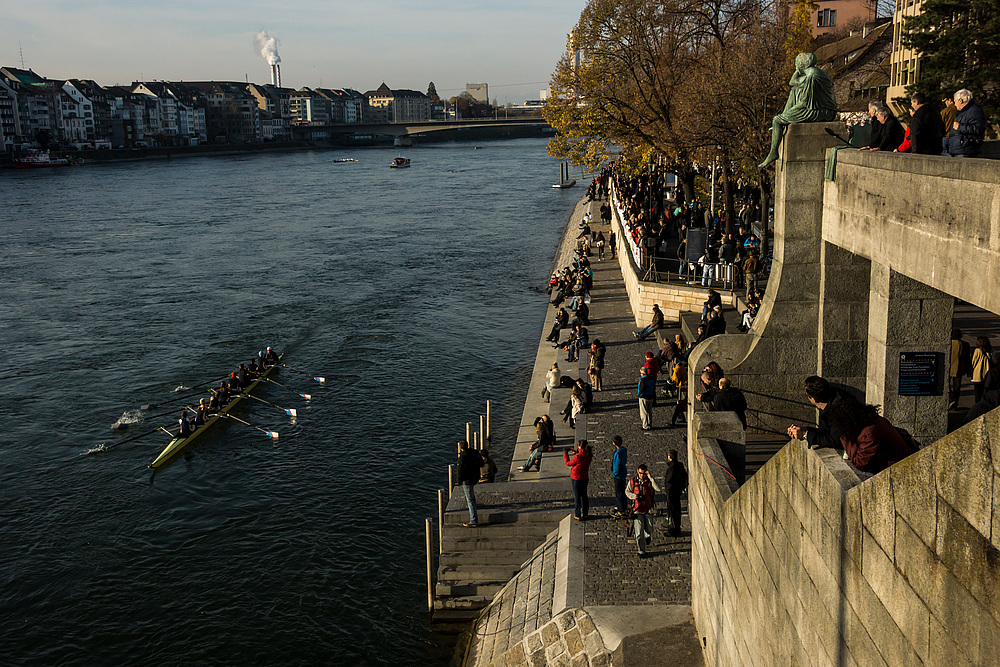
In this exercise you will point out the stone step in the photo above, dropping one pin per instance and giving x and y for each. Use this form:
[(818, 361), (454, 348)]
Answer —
[(459, 543), (486, 557), (460, 516), (500, 531), (467, 589), (476, 573), (459, 609)]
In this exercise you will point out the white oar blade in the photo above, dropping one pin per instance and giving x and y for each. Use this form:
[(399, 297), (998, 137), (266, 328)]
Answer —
[(320, 380), (290, 412), (273, 434), (305, 396)]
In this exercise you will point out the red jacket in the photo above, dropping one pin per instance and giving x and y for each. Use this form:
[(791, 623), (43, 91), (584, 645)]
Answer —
[(579, 465), (877, 447)]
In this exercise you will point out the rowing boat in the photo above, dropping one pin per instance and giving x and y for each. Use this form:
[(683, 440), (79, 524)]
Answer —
[(178, 445)]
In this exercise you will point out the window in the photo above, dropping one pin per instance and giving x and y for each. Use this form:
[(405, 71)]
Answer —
[(826, 18)]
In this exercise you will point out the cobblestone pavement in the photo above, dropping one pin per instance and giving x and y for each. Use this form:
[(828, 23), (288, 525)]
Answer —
[(614, 573)]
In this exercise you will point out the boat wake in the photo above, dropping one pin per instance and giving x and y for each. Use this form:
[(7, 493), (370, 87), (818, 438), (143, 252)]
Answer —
[(181, 388), (96, 450), (130, 417)]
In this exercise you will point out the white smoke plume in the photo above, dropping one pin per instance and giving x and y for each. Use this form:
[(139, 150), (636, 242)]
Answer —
[(268, 47)]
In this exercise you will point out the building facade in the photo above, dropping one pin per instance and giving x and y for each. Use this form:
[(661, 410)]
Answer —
[(904, 64), (397, 106)]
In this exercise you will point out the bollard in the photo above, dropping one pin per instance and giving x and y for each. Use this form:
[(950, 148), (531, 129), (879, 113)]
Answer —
[(489, 421), (441, 504), (430, 567), (451, 479), (458, 447), (468, 433), (475, 441), (482, 431)]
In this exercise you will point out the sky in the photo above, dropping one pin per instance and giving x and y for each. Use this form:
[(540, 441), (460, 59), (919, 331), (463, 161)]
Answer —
[(512, 45)]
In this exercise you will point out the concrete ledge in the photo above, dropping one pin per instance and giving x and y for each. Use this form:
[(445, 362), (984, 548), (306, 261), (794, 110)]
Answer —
[(620, 622), (569, 566)]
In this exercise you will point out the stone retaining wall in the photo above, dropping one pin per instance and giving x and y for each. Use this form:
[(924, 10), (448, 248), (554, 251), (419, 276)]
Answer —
[(806, 565)]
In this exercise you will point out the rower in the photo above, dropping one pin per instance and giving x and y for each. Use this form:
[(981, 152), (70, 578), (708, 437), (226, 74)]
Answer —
[(271, 357), (185, 425), (201, 412), (260, 361), (242, 377)]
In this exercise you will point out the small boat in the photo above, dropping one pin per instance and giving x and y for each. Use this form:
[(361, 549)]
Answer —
[(400, 163), (345, 159), (36, 159), (178, 445)]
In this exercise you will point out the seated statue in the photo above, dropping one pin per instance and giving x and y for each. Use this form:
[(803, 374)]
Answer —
[(810, 100)]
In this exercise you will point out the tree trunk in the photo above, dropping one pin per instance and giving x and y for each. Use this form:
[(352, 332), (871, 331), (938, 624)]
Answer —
[(727, 185)]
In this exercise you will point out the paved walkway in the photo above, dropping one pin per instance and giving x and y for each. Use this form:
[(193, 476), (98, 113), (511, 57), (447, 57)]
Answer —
[(613, 572)]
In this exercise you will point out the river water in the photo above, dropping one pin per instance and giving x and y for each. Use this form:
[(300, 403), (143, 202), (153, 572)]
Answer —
[(415, 292)]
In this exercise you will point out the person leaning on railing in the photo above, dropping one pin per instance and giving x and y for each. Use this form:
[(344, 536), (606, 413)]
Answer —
[(824, 397)]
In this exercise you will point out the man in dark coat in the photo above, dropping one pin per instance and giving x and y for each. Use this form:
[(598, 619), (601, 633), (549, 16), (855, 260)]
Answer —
[(969, 129), (926, 128), (470, 464), (823, 396), (730, 399), (675, 481)]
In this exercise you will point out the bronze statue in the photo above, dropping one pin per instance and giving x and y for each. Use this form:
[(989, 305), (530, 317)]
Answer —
[(810, 100)]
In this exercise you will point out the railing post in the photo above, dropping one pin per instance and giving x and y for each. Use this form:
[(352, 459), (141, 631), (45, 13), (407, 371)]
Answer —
[(441, 505), (430, 567)]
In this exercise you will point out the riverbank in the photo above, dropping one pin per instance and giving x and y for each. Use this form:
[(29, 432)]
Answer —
[(584, 595)]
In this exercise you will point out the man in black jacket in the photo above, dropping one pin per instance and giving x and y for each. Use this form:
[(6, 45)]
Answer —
[(969, 129), (823, 396), (730, 399), (675, 481), (469, 465), (926, 128)]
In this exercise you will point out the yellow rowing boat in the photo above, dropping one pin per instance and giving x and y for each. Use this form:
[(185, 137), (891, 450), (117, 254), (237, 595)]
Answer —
[(178, 445)]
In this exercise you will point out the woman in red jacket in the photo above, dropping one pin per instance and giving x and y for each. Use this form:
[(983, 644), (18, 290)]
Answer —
[(579, 475)]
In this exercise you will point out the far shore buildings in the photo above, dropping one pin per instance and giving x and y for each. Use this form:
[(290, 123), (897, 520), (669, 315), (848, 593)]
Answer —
[(39, 111)]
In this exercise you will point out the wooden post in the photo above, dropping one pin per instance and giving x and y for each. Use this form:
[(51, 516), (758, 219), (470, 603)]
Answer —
[(475, 441), (482, 432), (451, 479), (430, 567), (489, 422), (468, 433), (441, 505)]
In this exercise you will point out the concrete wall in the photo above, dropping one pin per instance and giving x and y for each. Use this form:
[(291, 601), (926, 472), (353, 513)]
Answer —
[(673, 299), (805, 565)]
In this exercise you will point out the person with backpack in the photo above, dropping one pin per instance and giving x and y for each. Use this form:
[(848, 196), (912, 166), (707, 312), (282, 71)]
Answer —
[(619, 475), (469, 465), (641, 490), (674, 483)]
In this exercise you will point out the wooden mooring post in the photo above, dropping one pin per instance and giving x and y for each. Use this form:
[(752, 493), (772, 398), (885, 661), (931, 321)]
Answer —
[(451, 479), (489, 419), (430, 567), (441, 505)]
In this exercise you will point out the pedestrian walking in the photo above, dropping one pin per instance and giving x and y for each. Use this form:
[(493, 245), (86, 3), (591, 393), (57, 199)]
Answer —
[(619, 475), (641, 491), (612, 239), (579, 475), (469, 466), (675, 481), (647, 393)]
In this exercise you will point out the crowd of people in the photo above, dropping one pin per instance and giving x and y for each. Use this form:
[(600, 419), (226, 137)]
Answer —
[(228, 389), (958, 129)]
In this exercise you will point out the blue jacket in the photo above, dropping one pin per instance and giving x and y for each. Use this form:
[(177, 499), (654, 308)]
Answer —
[(619, 463), (647, 388), (968, 138)]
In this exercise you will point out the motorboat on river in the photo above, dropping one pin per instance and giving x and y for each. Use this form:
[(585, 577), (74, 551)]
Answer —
[(400, 162), (37, 159)]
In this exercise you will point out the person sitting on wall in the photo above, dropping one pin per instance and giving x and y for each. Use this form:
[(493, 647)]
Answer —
[(824, 397), (869, 441), (654, 324)]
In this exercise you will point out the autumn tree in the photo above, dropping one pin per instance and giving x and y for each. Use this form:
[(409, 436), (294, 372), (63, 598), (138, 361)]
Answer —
[(959, 45)]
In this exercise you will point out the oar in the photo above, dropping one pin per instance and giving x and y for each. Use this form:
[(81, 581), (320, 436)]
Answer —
[(134, 437), (272, 434), (288, 411), (305, 396), (318, 379), (153, 406)]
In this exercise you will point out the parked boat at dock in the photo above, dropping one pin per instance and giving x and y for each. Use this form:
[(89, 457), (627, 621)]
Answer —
[(38, 159)]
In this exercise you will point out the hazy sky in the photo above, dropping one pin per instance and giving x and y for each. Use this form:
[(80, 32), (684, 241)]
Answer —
[(512, 45)]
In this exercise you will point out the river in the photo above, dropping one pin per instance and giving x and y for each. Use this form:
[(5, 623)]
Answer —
[(415, 292)]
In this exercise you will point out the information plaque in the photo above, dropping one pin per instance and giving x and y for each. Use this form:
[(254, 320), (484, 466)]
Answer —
[(919, 374)]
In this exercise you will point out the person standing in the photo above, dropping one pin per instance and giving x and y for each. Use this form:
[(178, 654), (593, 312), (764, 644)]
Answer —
[(750, 269), (619, 475), (641, 491), (612, 239), (981, 358), (969, 129), (579, 475), (961, 365), (551, 381), (596, 367), (948, 115), (469, 465), (925, 127), (674, 482), (647, 393)]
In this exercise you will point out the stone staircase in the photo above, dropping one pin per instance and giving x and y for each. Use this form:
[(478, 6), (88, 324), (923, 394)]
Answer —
[(475, 563)]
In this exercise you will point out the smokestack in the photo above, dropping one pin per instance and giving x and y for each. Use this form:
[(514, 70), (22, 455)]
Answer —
[(268, 47), (277, 75), (274, 75)]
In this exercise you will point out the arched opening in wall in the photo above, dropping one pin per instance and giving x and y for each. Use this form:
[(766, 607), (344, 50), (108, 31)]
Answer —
[(973, 381)]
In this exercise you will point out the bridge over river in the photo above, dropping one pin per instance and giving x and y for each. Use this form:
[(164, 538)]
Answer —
[(442, 130)]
